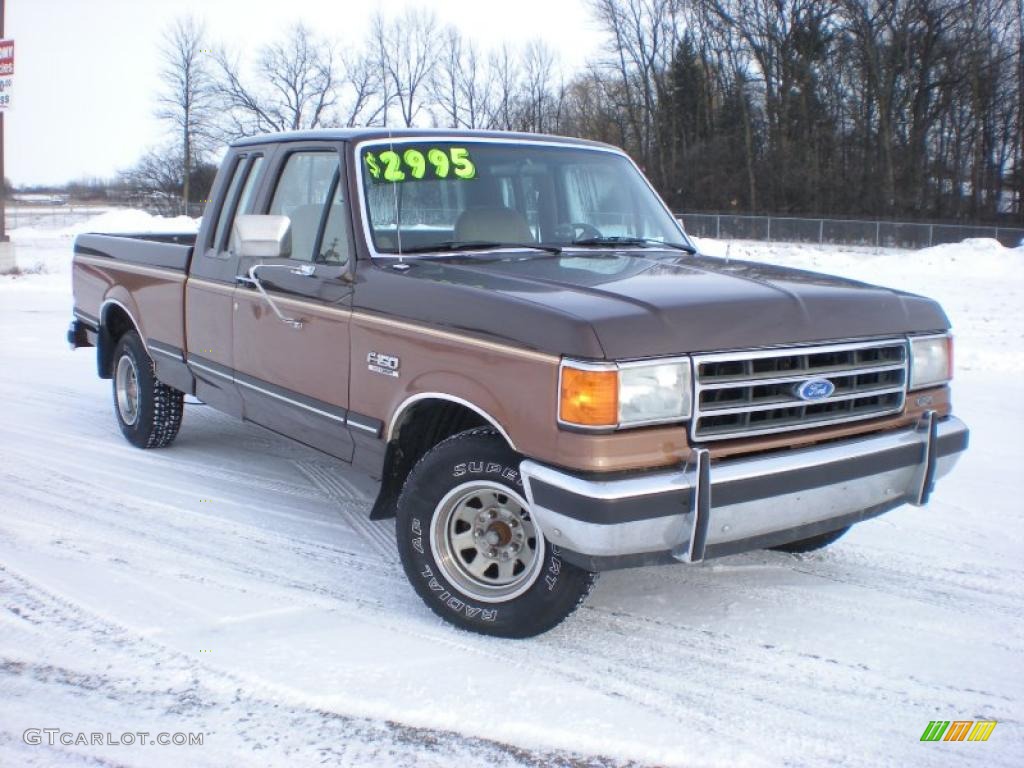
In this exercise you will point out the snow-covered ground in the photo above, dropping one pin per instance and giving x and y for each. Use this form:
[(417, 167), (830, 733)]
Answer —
[(232, 585)]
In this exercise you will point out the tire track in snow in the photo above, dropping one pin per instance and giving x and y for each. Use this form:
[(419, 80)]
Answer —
[(204, 698), (165, 460), (598, 666), (618, 684), (353, 506)]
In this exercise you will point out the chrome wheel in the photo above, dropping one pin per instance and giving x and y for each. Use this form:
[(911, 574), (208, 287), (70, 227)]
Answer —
[(485, 542), (126, 383)]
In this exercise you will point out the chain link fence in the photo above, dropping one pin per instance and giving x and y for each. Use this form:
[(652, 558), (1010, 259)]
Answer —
[(727, 226), (50, 217), (894, 234)]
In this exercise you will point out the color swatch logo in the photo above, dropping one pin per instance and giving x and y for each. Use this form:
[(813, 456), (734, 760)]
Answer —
[(958, 730)]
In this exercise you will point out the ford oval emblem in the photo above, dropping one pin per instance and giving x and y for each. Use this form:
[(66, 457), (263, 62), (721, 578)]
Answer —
[(815, 389)]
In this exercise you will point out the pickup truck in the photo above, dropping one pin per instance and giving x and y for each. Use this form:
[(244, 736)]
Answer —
[(514, 336)]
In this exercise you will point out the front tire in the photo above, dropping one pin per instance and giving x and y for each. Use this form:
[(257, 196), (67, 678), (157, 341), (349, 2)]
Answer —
[(471, 548), (148, 411)]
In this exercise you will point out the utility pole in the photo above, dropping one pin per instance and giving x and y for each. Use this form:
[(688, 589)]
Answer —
[(3, 179)]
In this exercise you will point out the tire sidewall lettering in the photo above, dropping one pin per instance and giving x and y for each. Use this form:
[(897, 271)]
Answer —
[(492, 468), (435, 585), (478, 454)]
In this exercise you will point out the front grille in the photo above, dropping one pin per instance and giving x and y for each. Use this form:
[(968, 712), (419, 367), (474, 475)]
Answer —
[(740, 394)]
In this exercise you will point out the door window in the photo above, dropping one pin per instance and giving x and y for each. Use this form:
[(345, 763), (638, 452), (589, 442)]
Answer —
[(335, 244), (308, 181)]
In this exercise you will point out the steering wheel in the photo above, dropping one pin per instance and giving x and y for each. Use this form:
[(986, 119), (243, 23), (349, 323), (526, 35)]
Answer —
[(578, 230)]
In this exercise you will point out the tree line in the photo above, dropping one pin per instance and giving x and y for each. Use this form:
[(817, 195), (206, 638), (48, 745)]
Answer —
[(880, 108)]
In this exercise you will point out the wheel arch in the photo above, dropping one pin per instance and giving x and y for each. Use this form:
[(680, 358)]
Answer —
[(405, 411), (422, 421), (116, 319)]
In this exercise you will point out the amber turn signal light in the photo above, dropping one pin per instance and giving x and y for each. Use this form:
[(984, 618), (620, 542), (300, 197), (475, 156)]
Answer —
[(589, 398)]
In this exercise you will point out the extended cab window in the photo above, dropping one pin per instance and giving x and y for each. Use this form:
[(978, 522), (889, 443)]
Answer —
[(236, 200), (228, 201), (308, 182), (247, 198)]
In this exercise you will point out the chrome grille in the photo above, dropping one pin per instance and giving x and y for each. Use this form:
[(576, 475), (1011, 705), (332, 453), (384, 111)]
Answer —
[(740, 394)]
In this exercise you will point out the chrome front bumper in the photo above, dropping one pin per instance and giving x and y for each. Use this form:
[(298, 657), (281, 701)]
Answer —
[(704, 510)]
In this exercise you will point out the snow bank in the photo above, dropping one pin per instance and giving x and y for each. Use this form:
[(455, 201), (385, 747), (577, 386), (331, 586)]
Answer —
[(39, 250), (119, 220), (977, 281), (972, 247)]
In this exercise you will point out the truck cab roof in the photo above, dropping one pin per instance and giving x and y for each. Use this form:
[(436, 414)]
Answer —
[(363, 134)]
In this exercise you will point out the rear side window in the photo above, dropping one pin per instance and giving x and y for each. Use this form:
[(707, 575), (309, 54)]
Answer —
[(306, 183), (247, 198), (227, 202)]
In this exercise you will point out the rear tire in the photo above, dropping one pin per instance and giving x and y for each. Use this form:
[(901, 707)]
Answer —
[(470, 547), (148, 411), (812, 544)]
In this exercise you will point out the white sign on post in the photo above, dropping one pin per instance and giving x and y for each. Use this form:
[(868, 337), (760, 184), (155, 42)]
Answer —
[(6, 72)]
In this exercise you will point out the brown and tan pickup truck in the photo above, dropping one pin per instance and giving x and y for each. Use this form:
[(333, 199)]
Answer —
[(513, 334)]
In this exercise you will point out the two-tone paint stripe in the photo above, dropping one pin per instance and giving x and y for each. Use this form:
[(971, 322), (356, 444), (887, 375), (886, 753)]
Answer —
[(958, 730), (456, 338), (294, 399), (126, 266), (366, 318), (165, 350)]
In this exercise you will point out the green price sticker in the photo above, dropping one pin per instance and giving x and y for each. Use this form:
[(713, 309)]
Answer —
[(419, 164)]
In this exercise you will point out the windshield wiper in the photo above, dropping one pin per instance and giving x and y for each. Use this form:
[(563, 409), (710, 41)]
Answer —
[(476, 245), (642, 242)]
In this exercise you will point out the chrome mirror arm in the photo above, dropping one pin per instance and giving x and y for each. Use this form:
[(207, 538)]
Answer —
[(306, 270)]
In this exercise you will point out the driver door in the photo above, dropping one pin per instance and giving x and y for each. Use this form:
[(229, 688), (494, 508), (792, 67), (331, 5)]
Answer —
[(293, 376)]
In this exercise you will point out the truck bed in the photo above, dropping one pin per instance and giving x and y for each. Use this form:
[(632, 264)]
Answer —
[(168, 251), (137, 279)]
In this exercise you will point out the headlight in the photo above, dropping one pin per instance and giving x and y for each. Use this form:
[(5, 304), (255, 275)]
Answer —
[(931, 361), (609, 395)]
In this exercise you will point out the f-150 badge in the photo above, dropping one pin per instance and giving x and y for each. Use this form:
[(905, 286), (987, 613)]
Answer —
[(387, 365)]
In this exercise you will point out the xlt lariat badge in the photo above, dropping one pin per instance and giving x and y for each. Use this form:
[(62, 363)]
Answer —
[(387, 365)]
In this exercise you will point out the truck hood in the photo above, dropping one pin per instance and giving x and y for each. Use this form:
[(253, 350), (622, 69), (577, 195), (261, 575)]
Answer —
[(642, 304)]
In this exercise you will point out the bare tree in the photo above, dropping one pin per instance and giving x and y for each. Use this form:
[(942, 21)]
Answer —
[(405, 49), (508, 89), (185, 101), (297, 86), (645, 35), (157, 171), (360, 102), (445, 84), (542, 97), (461, 85)]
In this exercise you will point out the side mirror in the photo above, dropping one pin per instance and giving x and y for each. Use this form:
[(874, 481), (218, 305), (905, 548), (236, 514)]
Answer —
[(262, 237)]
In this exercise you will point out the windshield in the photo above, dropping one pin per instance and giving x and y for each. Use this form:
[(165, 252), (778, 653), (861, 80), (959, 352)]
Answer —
[(424, 196)]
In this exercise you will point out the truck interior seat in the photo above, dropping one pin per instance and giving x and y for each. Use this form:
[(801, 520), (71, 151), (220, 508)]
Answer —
[(493, 224)]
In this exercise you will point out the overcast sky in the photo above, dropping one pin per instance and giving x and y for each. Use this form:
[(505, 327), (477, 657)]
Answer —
[(86, 70)]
